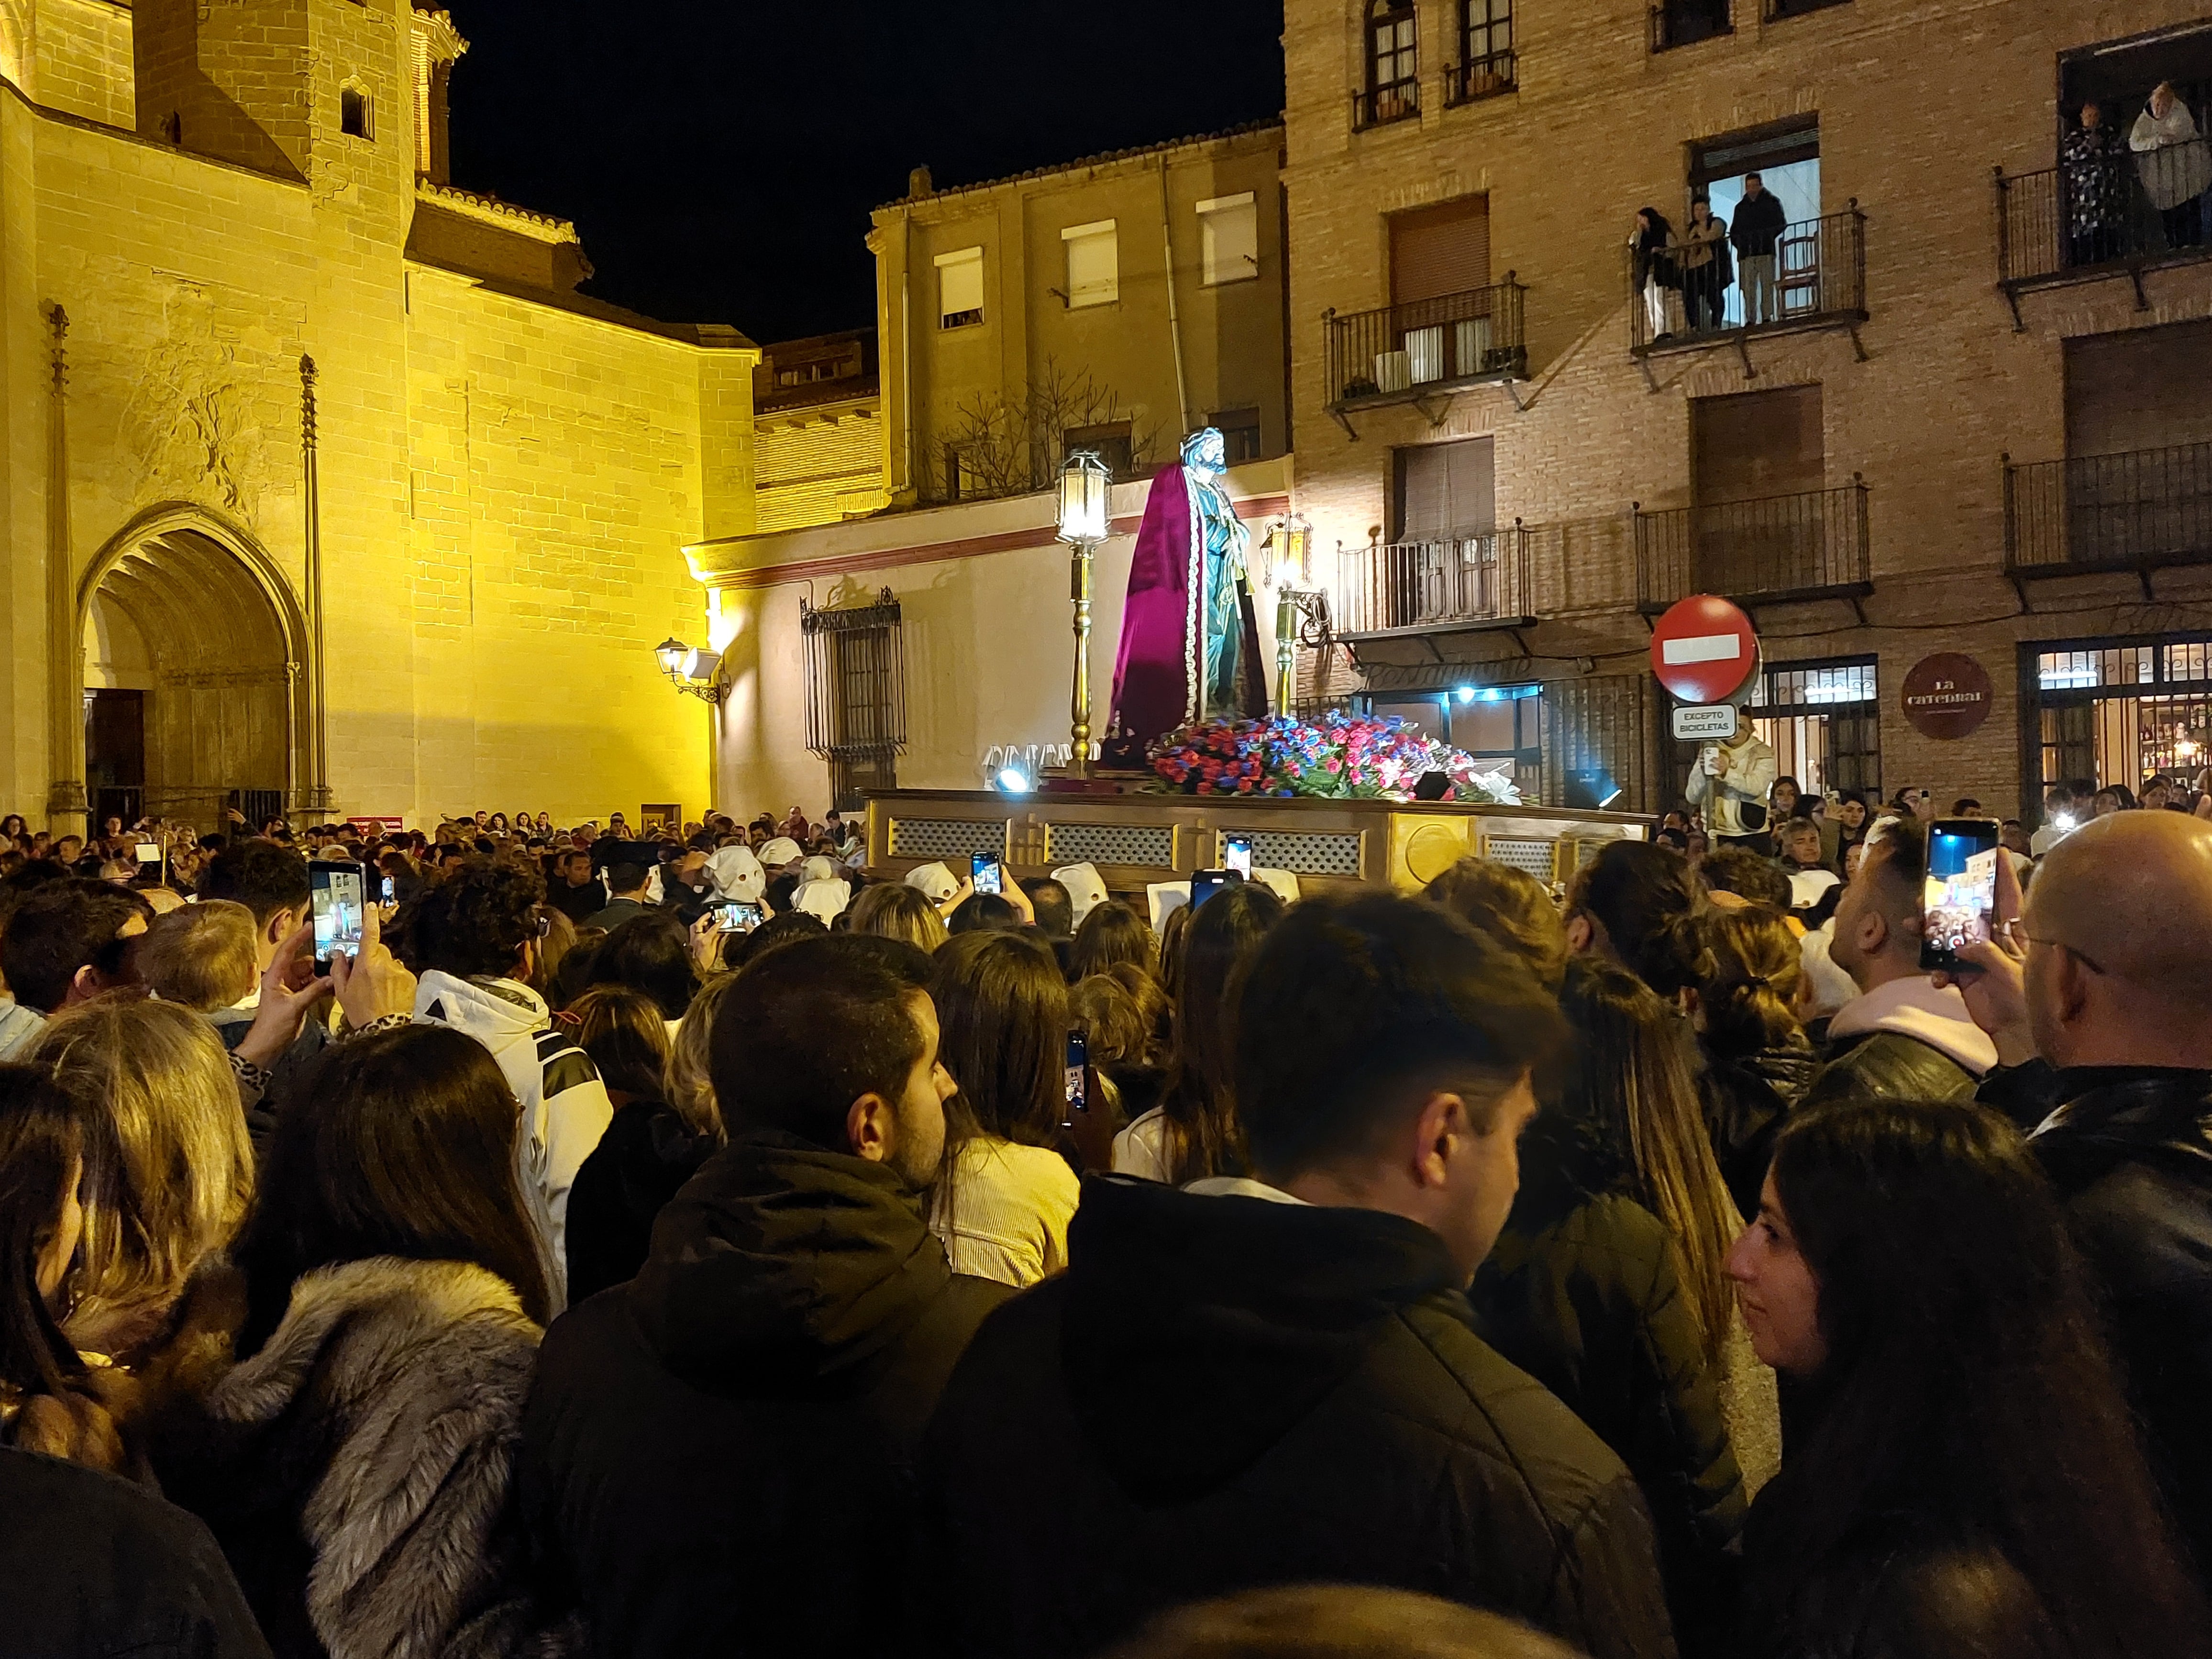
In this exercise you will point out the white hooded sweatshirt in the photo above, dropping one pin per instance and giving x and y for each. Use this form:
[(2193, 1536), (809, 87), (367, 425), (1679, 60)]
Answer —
[(565, 1109)]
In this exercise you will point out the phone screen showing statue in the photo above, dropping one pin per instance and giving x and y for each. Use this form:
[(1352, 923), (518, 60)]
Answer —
[(986, 874), (739, 916), (1237, 854), (1074, 1078), (337, 893), (1960, 893)]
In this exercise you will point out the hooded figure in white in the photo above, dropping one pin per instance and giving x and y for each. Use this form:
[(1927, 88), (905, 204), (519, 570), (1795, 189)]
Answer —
[(821, 891), (737, 874), (565, 1109)]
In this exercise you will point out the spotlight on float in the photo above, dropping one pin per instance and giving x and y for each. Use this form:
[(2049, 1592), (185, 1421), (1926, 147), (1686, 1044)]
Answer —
[(1013, 781), (1592, 791), (1465, 694)]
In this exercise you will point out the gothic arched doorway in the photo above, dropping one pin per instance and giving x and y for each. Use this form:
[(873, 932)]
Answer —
[(192, 648)]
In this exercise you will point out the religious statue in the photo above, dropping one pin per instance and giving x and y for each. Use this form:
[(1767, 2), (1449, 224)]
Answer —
[(1190, 643)]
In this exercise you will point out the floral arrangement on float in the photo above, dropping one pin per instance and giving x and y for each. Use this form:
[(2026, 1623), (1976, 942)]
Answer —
[(1341, 757)]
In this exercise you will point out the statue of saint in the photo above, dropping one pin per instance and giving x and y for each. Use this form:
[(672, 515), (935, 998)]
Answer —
[(1190, 642)]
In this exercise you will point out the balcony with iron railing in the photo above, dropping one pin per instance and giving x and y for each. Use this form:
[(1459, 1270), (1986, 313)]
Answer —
[(1770, 551), (2135, 512), (1425, 347), (1819, 280), (1456, 583), (2102, 213), (1379, 106), (1489, 77), (1685, 22)]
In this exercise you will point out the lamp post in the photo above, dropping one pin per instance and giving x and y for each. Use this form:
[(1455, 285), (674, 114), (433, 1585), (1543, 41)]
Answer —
[(1084, 484), (689, 672), (1291, 537)]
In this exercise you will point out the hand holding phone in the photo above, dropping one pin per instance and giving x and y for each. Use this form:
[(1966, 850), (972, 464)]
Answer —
[(1959, 897), (337, 896), (987, 874), (1237, 854), (737, 917)]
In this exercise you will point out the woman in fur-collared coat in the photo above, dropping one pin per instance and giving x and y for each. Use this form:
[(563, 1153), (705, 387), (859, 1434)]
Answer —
[(356, 1463)]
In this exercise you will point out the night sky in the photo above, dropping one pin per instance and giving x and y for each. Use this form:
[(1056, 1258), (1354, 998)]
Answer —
[(720, 157)]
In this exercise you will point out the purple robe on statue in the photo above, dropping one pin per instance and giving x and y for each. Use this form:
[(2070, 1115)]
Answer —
[(1157, 674)]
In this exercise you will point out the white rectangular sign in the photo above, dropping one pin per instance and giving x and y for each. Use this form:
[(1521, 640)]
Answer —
[(1713, 720), (1702, 648)]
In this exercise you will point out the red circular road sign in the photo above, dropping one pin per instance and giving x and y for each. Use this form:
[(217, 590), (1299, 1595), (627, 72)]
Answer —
[(1703, 649)]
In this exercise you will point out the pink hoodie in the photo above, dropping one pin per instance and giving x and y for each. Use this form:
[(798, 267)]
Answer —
[(1915, 1008)]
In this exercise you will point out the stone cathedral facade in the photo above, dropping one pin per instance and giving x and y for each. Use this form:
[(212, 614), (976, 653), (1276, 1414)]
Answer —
[(319, 482)]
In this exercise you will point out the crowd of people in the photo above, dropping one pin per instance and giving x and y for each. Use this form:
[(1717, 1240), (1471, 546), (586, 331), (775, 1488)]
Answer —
[(698, 1243)]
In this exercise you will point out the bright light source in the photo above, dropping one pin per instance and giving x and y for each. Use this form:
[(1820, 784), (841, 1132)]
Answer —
[(1608, 800), (1491, 694), (1465, 693), (1085, 484), (1013, 780), (671, 653), (2061, 822)]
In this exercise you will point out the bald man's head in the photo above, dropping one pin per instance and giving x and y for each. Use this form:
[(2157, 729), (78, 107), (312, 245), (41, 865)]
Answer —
[(2119, 921)]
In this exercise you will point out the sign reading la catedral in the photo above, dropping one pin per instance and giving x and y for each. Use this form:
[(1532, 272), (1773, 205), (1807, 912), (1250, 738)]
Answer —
[(1947, 695)]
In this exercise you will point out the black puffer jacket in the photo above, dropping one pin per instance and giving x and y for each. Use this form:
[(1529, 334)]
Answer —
[(1888, 1065), (1747, 1096), (639, 1165), (1581, 1292), (717, 1457), (2131, 1152), (1230, 1391)]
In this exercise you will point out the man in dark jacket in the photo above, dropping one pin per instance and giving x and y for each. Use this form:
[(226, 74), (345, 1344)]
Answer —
[(1278, 1380), (628, 879), (716, 1456), (574, 891), (92, 1564), (1753, 234), (2109, 1020), (1903, 1038)]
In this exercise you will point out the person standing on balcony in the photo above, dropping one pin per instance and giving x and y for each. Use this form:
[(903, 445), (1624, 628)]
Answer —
[(1705, 268), (1759, 221), (2089, 162), (2175, 168), (1652, 248)]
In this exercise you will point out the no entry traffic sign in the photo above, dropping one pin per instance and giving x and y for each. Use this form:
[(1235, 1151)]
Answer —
[(1703, 649)]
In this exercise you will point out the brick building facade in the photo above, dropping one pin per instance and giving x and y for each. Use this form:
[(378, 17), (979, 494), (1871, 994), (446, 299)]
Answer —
[(1462, 178)]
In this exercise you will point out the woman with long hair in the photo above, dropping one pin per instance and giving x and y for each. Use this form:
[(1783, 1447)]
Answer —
[(167, 1178), (1758, 1062), (1607, 1284), (1120, 1014), (650, 1149), (45, 1406), (1637, 903), (356, 1463), (891, 910), (1964, 1476), (1112, 932), (1005, 1197), (650, 954), (1194, 1132)]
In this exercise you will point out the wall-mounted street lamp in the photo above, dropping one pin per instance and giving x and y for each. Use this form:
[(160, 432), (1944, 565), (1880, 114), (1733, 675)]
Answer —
[(691, 670), (1085, 516)]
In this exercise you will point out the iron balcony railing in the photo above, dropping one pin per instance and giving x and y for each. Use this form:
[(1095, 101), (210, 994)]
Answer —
[(2100, 211), (1481, 78), (1776, 547), (1471, 578), (1378, 107), (2128, 512), (1818, 276), (1686, 22), (1397, 353)]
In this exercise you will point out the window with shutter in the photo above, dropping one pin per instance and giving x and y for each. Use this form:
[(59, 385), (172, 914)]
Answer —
[(1229, 238), (1446, 491), (1440, 250), (1094, 267), (960, 288), (1757, 444)]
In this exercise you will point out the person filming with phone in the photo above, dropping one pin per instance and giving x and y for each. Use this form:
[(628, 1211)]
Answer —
[(1731, 781), (2097, 999), (1903, 1038)]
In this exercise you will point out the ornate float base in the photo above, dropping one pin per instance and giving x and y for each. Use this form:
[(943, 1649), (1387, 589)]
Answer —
[(1135, 838)]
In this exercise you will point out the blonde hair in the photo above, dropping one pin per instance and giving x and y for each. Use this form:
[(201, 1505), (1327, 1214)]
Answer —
[(171, 1174), (1510, 906), (202, 957), (895, 910), (689, 1088)]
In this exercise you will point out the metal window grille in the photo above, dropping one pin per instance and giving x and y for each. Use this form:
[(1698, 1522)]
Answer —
[(2119, 711), (1603, 725), (855, 695), (1824, 720)]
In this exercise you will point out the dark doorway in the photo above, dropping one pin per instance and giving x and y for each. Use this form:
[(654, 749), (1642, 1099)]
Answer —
[(115, 755)]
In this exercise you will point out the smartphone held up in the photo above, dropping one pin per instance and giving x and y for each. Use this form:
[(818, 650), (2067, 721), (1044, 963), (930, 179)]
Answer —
[(1959, 898), (986, 874), (338, 894)]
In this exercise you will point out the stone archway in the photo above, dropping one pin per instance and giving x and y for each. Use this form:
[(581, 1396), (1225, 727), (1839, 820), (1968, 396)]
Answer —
[(187, 622)]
